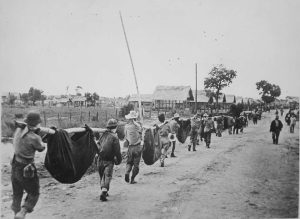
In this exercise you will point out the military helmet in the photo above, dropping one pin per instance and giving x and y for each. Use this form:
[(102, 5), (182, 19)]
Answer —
[(112, 123)]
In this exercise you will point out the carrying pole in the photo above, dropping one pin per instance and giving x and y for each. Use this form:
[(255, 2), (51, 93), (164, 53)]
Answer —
[(136, 84)]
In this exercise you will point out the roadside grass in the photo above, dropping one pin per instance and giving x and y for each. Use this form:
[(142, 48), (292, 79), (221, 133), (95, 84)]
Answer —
[(60, 117)]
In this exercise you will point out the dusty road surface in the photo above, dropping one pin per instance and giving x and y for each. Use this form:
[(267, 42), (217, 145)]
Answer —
[(240, 176)]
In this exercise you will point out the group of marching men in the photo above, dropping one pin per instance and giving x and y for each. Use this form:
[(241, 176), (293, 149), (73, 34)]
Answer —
[(28, 140)]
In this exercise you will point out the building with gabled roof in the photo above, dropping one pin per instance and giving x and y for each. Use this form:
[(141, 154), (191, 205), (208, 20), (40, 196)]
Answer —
[(170, 97)]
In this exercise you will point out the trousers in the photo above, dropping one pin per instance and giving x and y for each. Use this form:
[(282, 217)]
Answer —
[(20, 184), (275, 136), (164, 151), (105, 169), (134, 155)]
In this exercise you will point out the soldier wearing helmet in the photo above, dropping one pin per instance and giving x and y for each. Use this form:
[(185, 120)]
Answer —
[(109, 155)]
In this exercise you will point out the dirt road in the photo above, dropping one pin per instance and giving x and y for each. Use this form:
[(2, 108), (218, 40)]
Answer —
[(240, 176)]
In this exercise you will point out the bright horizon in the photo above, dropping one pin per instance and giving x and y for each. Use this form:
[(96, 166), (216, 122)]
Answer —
[(54, 44)]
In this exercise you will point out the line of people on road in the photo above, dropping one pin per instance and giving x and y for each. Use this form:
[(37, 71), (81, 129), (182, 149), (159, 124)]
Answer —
[(27, 141)]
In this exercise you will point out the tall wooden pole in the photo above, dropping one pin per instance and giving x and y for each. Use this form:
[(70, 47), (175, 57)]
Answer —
[(136, 84), (196, 107)]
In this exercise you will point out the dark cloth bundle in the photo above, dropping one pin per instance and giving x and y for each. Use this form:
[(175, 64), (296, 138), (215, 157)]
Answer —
[(184, 130), (152, 146), (68, 158)]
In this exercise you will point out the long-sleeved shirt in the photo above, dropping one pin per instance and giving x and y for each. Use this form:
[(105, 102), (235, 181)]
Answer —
[(109, 147), (133, 133)]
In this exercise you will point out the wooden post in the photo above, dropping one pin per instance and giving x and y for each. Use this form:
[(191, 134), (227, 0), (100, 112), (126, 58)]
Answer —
[(80, 116), (106, 115), (116, 113), (45, 119), (89, 116), (97, 117), (70, 117)]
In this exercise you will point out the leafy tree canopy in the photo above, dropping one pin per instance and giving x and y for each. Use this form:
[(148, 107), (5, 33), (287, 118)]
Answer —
[(35, 95), (219, 78), (268, 91)]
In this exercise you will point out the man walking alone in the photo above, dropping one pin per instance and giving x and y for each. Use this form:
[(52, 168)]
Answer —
[(275, 128)]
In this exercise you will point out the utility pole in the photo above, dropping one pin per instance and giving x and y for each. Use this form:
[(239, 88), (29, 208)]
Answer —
[(196, 92), (136, 84)]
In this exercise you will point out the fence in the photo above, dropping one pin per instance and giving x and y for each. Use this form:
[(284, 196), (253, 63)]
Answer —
[(97, 118)]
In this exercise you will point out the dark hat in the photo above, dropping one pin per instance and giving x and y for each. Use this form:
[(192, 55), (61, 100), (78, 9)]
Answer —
[(33, 119), (161, 117), (112, 123)]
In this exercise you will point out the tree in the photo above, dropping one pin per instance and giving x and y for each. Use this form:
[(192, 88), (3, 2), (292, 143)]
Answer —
[(95, 98), (191, 96), (268, 91), (236, 110), (34, 94), (91, 98), (11, 99), (24, 97), (219, 78)]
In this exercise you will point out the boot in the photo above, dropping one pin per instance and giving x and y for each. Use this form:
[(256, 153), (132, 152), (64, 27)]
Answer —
[(21, 214), (162, 163), (132, 181), (127, 178), (103, 196), (194, 147), (189, 147), (172, 154)]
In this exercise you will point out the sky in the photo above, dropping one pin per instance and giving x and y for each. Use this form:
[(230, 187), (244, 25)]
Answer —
[(55, 44)]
